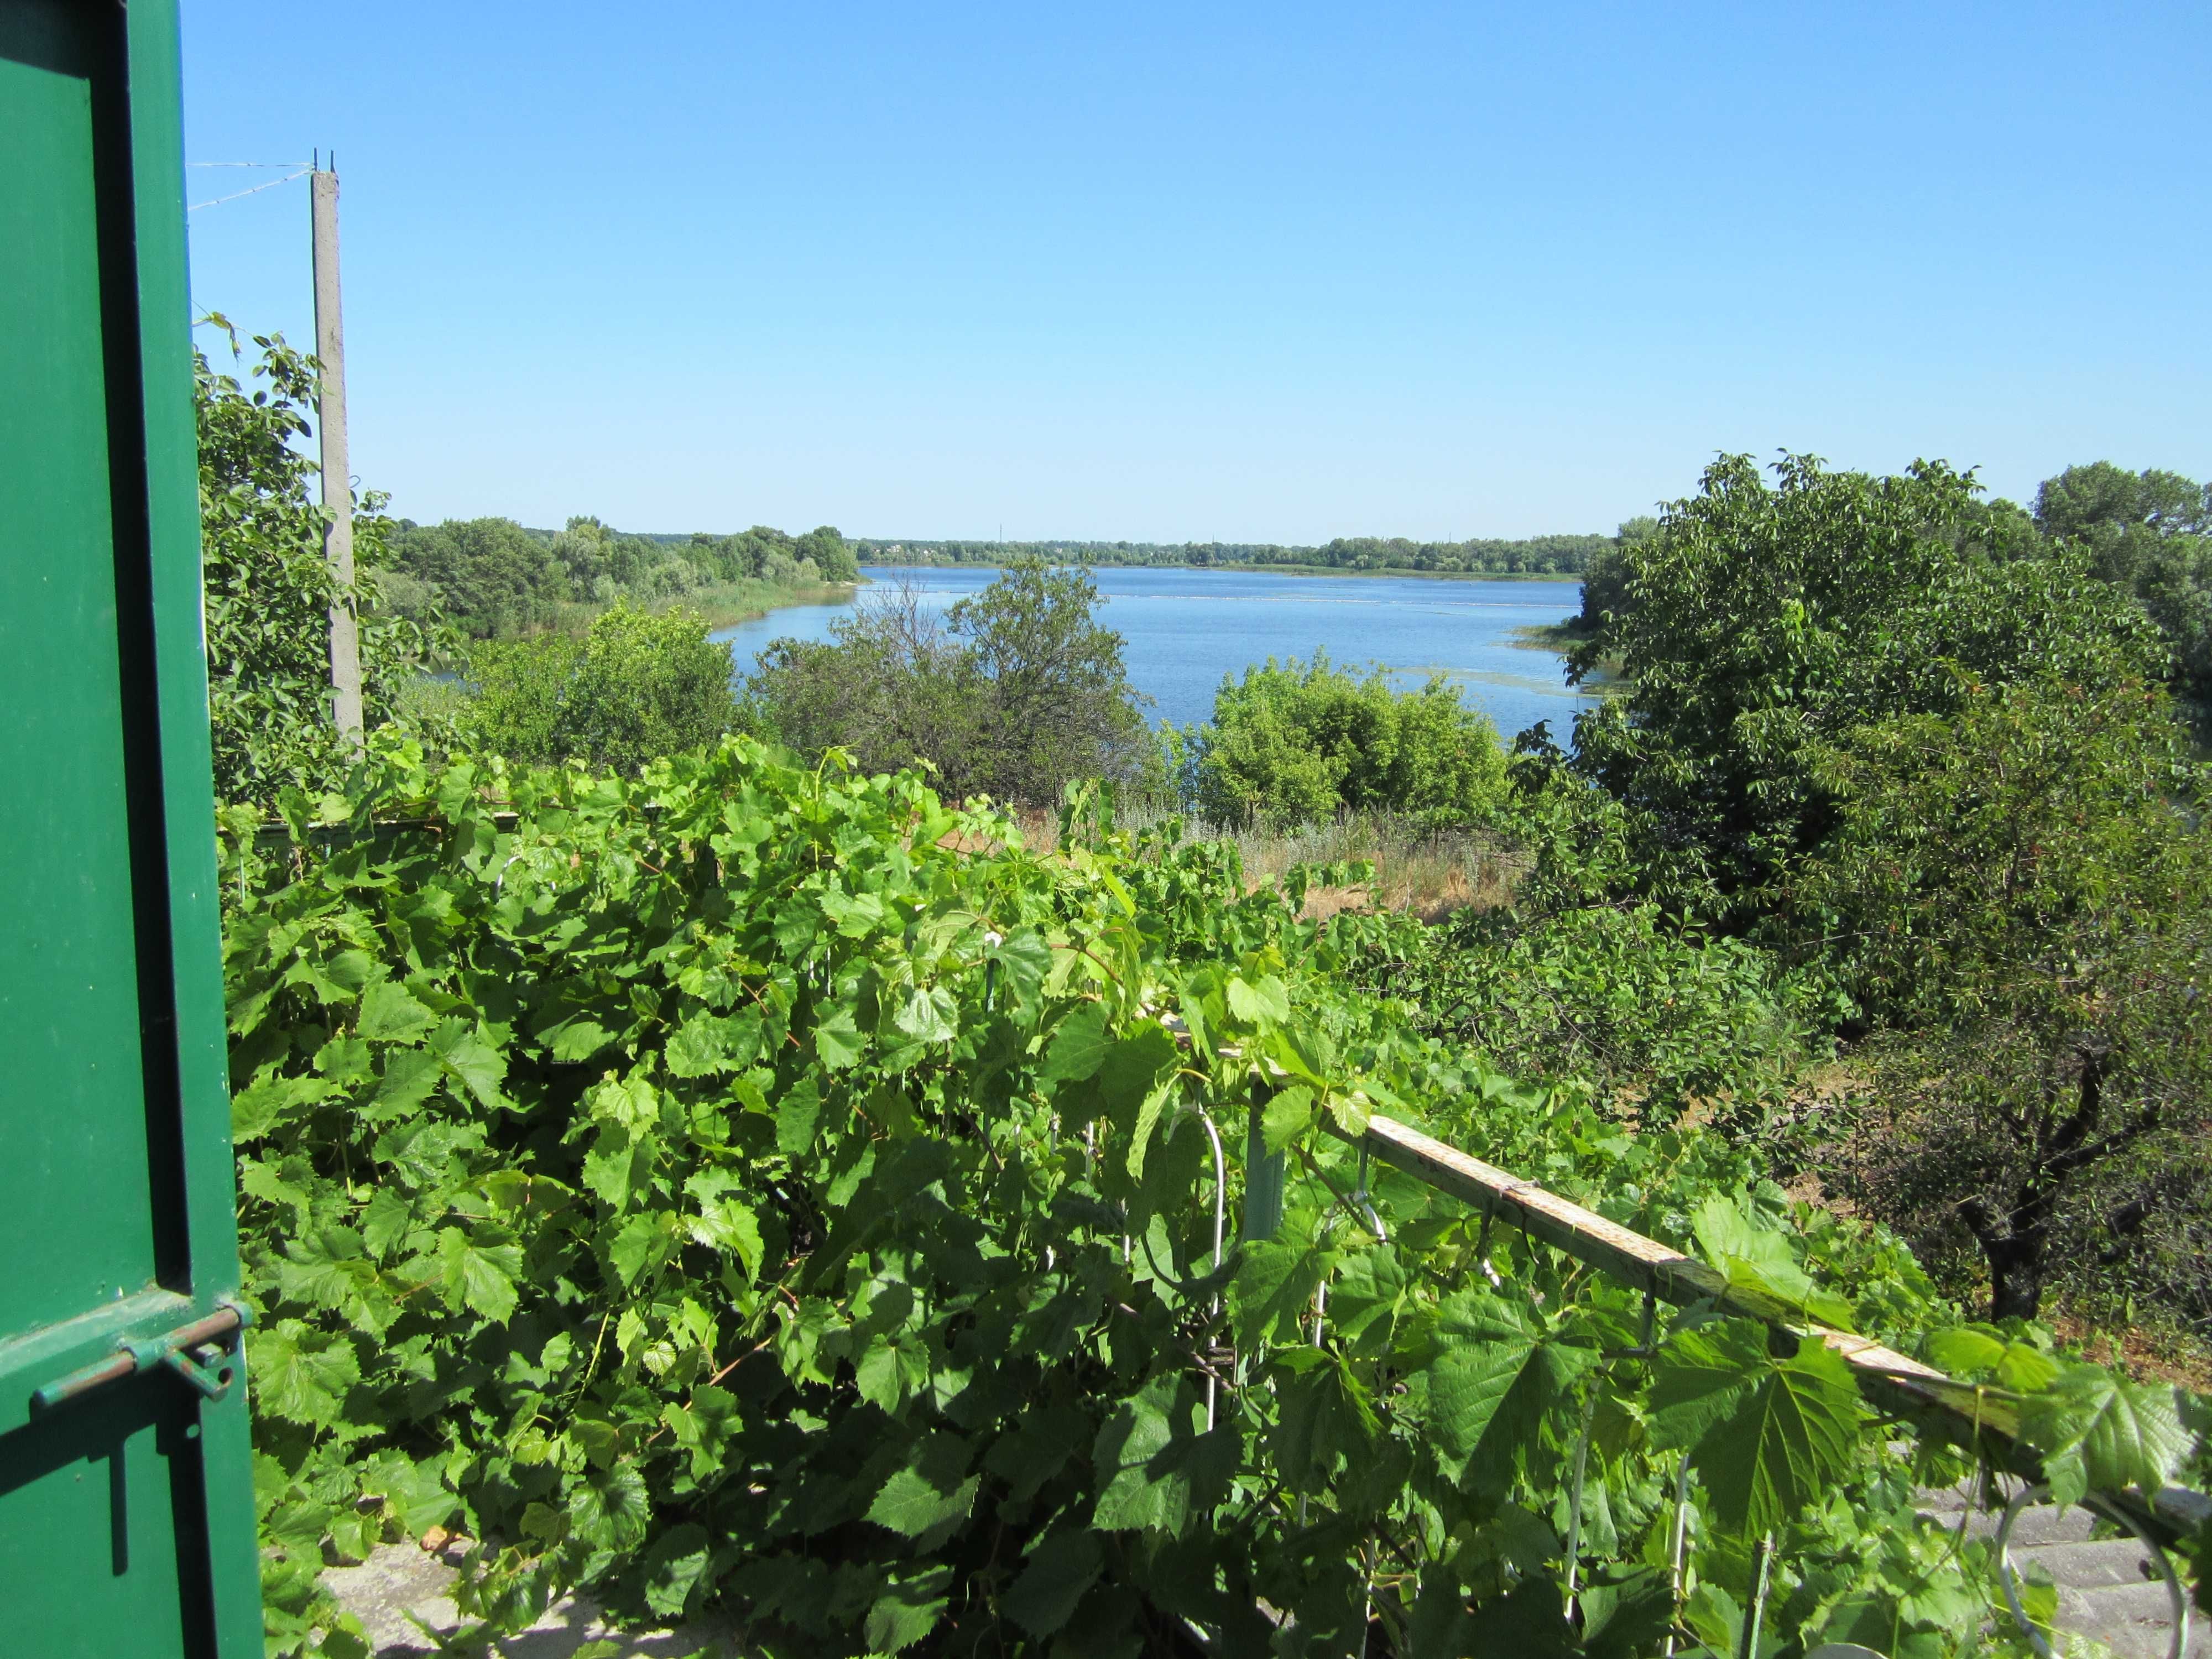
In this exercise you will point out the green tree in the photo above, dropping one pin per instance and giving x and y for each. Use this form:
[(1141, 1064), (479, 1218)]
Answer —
[(1294, 742), (493, 577), (1015, 692), (268, 588), (2150, 532), (582, 549), (1056, 704), (638, 686), (1762, 621), (2020, 887), (832, 554), (1605, 575), (890, 689)]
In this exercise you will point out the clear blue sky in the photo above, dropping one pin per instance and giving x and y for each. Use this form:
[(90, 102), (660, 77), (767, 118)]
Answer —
[(1244, 273)]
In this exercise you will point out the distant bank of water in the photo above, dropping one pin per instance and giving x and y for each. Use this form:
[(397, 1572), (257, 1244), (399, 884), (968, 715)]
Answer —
[(1185, 629)]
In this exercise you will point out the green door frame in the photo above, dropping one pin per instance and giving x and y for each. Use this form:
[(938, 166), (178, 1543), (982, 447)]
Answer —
[(82, 1375)]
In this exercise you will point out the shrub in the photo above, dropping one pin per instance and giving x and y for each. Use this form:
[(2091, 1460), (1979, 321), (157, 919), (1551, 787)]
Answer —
[(1294, 742), (638, 686)]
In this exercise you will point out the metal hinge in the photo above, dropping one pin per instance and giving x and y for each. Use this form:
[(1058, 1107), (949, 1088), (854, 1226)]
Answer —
[(203, 1352)]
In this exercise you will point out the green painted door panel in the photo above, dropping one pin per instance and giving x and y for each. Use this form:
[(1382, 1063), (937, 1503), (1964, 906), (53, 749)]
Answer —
[(101, 1525), (76, 1215), (126, 1522)]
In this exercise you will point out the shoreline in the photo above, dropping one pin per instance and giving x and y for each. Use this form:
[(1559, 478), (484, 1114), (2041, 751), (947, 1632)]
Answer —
[(1262, 570), (736, 615), (1558, 638), (726, 609)]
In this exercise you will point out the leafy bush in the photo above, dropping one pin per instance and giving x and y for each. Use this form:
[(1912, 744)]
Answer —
[(1648, 1017), (1295, 742), (637, 686), (762, 1189), (1018, 692)]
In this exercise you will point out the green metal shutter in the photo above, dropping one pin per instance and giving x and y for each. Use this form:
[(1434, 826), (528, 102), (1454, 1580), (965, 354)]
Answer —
[(126, 1514)]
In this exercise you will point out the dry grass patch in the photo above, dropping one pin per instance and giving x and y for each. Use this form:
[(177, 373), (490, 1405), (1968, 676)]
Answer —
[(1432, 873)]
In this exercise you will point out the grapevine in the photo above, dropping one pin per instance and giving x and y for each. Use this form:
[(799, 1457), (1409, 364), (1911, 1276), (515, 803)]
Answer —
[(771, 1190)]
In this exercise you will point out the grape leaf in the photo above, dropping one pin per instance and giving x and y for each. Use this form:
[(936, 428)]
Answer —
[(1756, 1258), (479, 1276), (1766, 1435), (2099, 1430), (299, 1373), (931, 1488), (471, 1059), (928, 1014), (389, 1013), (838, 1038), (1498, 1367), (1286, 1116), (1023, 958), (1262, 1003), (1079, 1047), (580, 1039), (1158, 1465), (675, 1568), (909, 1608), (796, 1115), (1057, 1574), (642, 1242)]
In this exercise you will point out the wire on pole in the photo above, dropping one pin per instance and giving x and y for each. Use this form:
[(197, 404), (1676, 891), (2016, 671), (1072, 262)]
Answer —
[(250, 190)]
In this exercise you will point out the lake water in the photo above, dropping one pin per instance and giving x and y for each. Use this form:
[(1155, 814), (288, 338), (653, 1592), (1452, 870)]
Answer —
[(1184, 629)]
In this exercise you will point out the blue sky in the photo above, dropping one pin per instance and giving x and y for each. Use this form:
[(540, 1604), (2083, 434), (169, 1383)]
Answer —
[(1245, 273)]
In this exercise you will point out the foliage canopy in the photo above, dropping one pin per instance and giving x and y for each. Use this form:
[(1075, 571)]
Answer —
[(1762, 621)]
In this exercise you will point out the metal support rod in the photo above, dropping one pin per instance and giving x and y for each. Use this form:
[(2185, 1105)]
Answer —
[(1757, 1616), (337, 476), (1674, 1550), (1220, 1229), (1575, 1498)]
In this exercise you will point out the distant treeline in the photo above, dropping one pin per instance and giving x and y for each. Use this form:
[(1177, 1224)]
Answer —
[(1536, 555), (494, 577)]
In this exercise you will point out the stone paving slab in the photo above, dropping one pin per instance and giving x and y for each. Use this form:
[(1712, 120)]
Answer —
[(398, 1579)]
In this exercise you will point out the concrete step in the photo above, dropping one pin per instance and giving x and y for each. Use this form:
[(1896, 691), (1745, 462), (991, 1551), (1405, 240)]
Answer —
[(2108, 1591), (2133, 1621)]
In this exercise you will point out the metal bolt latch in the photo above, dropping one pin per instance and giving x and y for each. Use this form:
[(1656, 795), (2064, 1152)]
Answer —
[(202, 1353)]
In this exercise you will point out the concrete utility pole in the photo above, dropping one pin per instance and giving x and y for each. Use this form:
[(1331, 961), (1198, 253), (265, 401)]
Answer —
[(338, 478)]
